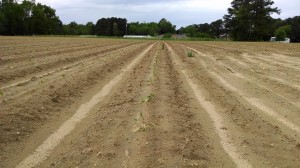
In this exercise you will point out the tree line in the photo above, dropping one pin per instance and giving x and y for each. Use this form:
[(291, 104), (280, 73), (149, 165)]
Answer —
[(246, 20), (119, 27), (219, 29), (213, 30), (28, 18), (250, 20), (153, 29)]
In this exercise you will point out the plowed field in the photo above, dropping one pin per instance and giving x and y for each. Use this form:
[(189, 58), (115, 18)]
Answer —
[(79, 102)]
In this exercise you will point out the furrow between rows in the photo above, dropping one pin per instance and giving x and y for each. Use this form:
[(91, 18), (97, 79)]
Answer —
[(257, 137)]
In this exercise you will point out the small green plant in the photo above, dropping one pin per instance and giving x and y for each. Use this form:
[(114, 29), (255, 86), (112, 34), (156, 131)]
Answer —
[(1, 93), (162, 46), (141, 114), (153, 75), (190, 54), (152, 79), (148, 98), (146, 126)]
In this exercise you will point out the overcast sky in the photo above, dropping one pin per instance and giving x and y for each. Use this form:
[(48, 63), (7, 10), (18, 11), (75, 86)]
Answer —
[(179, 12)]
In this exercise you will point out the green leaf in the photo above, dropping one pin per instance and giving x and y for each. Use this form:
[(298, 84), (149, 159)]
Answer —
[(190, 54)]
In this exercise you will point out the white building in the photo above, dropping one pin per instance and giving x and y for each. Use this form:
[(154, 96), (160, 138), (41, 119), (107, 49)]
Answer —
[(287, 40), (138, 36)]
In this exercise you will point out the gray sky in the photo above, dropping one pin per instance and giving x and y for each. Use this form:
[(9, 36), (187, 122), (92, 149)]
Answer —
[(179, 12)]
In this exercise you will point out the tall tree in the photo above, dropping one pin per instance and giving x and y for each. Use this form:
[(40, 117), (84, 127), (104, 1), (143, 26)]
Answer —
[(105, 26), (153, 29), (26, 18), (217, 28), (1, 22), (90, 28), (249, 19), (295, 26), (191, 30), (166, 27), (261, 11), (238, 20), (44, 20), (73, 28), (13, 22), (137, 28), (204, 28)]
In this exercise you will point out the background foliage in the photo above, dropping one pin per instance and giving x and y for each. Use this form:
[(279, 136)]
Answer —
[(246, 20)]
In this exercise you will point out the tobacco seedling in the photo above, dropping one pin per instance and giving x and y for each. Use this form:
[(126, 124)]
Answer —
[(148, 98), (190, 54)]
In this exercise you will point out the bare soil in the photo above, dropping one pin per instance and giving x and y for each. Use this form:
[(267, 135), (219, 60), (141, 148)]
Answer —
[(85, 102)]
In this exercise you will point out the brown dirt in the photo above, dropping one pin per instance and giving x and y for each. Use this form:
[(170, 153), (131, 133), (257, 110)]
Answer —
[(231, 104)]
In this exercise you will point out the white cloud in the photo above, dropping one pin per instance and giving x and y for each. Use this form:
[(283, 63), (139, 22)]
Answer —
[(288, 8)]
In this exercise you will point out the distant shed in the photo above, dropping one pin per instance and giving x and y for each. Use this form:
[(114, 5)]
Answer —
[(287, 40)]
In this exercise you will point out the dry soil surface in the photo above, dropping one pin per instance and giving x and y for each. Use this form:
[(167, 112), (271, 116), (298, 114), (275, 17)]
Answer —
[(85, 102)]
